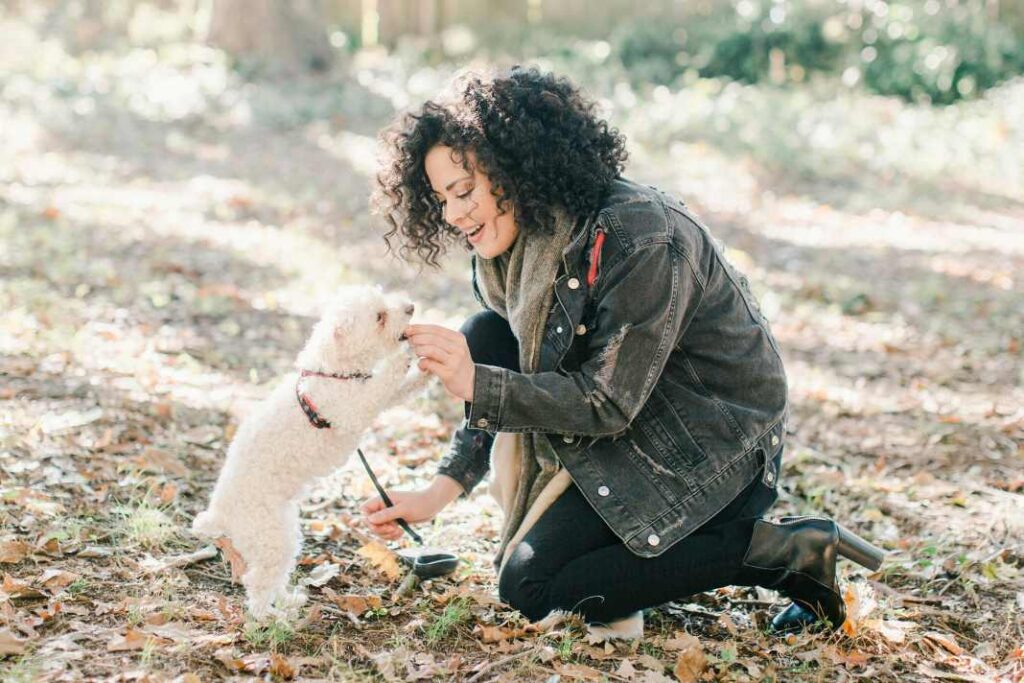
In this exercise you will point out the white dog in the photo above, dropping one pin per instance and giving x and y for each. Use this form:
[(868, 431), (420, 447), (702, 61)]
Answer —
[(353, 367)]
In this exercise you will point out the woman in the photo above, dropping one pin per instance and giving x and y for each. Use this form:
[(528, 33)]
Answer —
[(621, 381)]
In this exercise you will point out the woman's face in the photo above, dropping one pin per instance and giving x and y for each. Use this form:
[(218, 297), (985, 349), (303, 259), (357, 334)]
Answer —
[(467, 202)]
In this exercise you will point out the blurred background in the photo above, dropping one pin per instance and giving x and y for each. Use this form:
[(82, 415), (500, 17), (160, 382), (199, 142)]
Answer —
[(182, 182)]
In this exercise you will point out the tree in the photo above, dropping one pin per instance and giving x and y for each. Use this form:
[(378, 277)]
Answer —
[(284, 35)]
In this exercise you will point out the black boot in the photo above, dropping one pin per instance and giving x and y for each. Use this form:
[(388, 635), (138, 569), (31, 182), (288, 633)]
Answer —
[(799, 556)]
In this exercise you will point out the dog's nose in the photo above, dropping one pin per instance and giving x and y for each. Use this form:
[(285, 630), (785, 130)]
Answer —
[(410, 308)]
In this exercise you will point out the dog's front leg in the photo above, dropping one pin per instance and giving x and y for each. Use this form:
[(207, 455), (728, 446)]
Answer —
[(414, 382)]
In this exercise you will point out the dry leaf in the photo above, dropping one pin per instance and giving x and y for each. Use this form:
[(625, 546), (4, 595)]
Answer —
[(626, 670), (496, 634), (691, 662), (156, 460), (132, 640), (650, 662), (281, 667), (578, 672), (321, 575), (233, 557), (10, 644), (945, 641), (55, 579), (13, 552), (16, 588), (383, 559), (167, 493), (356, 604)]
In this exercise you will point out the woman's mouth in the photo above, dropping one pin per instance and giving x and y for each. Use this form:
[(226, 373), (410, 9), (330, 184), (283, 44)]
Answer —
[(475, 234)]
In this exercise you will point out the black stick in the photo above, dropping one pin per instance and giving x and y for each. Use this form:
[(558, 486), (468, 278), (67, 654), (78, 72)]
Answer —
[(387, 499)]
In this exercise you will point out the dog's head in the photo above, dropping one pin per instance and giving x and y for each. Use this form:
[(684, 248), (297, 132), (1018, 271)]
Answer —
[(361, 325)]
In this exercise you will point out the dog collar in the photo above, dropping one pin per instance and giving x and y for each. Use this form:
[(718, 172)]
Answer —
[(306, 403)]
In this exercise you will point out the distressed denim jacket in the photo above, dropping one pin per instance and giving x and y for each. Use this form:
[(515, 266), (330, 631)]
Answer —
[(660, 386)]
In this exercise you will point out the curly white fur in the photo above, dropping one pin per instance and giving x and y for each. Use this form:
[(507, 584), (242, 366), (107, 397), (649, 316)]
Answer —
[(277, 453)]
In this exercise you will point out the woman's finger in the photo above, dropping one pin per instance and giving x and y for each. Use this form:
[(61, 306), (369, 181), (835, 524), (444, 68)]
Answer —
[(434, 353), (439, 330), (432, 366), (435, 339)]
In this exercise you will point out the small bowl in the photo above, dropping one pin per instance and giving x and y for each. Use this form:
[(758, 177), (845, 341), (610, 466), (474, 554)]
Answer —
[(428, 563)]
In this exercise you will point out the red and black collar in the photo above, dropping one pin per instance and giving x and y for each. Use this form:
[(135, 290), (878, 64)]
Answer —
[(307, 405)]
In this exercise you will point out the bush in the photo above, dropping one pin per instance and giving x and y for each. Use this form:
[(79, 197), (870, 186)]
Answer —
[(918, 49)]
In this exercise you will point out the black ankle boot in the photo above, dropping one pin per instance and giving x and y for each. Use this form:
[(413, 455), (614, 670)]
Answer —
[(799, 556)]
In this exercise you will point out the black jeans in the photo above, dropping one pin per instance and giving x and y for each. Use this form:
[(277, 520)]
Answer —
[(571, 560)]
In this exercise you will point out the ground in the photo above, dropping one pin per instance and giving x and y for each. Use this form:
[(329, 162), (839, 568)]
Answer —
[(167, 231)]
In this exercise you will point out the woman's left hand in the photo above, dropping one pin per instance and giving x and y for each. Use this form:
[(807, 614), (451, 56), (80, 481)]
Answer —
[(444, 353)]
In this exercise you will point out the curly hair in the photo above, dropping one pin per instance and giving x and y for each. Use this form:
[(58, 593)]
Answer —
[(534, 135)]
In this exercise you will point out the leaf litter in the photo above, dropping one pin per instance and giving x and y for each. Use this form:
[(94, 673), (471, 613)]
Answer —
[(149, 302)]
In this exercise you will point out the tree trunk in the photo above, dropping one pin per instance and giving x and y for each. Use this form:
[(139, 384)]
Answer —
[(285, 35)]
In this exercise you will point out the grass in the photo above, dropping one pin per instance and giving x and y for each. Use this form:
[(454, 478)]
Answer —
[(26, 670), (145, 525), (272, 635), (455, 614)]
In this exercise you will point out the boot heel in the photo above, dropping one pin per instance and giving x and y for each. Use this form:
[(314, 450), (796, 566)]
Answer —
[(853, 547)]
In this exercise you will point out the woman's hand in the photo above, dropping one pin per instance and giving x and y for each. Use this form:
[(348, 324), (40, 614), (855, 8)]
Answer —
[(444, 353), (412, 506)]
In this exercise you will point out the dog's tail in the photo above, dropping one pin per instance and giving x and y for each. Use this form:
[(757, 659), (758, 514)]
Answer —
[(207, 524)]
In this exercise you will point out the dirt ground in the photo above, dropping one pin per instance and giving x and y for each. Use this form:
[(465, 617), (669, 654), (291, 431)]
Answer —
[(166, 234)]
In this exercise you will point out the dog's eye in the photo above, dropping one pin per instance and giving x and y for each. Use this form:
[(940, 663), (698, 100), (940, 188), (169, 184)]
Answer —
[(382, 317)]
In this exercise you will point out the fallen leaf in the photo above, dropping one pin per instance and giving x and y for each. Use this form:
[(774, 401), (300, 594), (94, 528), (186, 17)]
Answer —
[(13, 552), (10, 644), (626, 670), (133, 639), (356, 604), (156, 460), (383, 559), (496, 634), (233, 557), (55, 579), (578, 671), (945, 641), (16, 588), (691, 661), (281, 667), (321, 575), (650, 662)]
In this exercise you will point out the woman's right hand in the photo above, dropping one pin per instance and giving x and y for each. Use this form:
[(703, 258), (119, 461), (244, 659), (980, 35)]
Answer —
[(412, 506)]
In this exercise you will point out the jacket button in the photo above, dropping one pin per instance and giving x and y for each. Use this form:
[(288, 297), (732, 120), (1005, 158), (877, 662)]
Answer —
[(558, 329), (775, 440), (574, 283), (581, 329), (653, 540), (603, 491), (769, 476), (482, 422), (567, 438)]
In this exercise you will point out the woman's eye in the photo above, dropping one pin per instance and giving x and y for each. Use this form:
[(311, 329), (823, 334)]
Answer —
[(465, 194)]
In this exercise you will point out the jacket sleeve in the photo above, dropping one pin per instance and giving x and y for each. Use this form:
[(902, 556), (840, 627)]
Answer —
[(642, 306)]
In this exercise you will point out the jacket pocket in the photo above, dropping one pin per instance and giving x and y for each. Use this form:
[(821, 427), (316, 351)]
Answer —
[(657, 430)]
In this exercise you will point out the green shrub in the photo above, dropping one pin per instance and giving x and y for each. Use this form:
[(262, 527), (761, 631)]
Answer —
[(920, 50)]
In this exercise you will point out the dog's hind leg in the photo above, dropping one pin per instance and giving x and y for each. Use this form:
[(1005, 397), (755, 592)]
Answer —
[(271, 555)]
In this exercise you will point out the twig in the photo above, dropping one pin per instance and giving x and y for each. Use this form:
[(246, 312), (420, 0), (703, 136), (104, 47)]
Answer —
[(406, 587), (222, 579), (755, 603), (152, 566), (501, 662)]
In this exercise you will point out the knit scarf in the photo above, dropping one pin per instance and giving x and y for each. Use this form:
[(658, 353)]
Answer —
[(519, 286)]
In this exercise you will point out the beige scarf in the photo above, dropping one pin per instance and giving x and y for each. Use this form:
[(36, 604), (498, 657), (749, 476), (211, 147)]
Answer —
[(518, 285)]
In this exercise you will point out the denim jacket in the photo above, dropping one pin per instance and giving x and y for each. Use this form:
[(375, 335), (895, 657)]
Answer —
[(660, 386)]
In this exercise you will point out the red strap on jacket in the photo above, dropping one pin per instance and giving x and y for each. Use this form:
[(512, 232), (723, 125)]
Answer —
[(595, 258)]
